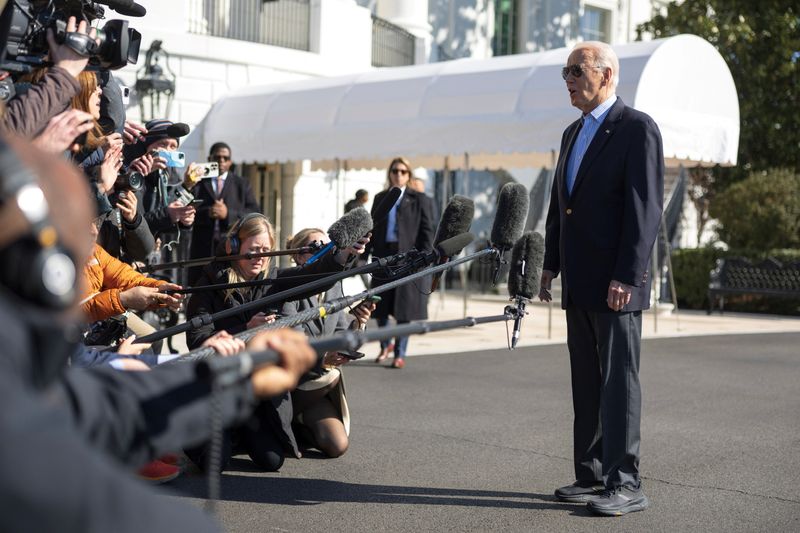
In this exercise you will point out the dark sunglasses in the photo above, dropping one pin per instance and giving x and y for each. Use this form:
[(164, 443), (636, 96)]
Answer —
[(399, 171), (220, 158), (576, 71)]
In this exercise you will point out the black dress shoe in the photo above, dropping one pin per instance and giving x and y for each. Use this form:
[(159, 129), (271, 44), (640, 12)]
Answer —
[(619, 501), (580, 491)]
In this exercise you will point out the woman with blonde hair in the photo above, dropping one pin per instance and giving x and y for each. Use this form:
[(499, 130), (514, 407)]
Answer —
[(268, 435)]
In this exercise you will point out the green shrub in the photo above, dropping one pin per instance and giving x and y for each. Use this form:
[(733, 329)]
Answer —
[(761, 212), (692, 267)]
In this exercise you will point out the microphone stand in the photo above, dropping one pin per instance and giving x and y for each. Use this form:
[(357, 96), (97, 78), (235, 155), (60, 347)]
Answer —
[(205, 260)]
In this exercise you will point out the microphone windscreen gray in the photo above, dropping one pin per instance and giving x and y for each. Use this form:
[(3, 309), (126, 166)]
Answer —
[(453, 246), (527, 258), (512, 210), (351, 227), (381, 211), (178, 129), (456, 218)]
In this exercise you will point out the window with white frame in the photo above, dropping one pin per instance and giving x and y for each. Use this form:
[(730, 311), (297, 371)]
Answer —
[(596, 24)]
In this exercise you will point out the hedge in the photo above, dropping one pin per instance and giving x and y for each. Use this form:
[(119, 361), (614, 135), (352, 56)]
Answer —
[(692, 267)]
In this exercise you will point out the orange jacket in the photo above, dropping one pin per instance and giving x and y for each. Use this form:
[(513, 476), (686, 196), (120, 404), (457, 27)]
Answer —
[(106, 277)]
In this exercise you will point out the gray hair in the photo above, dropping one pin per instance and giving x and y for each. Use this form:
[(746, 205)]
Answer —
[(604, 56)]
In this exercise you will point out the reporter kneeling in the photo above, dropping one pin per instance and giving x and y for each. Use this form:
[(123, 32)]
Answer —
[(321, 415)]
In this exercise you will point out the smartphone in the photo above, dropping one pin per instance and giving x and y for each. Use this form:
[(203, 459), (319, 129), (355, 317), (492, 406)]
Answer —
[(197, 202), (351, 354), (126, 94), (206, 170), (374, 299), (174, 159)]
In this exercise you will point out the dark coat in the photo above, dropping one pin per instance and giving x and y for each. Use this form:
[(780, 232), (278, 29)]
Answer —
[(238, 197), (80, 426), (126, 241), (605, 230), (416, 229), (320, 327)]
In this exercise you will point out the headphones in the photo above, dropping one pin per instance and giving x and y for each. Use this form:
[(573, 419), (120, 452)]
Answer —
[(232, 242), (35, 266)]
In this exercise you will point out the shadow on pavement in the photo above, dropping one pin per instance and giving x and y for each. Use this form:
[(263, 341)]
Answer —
[(304, 491)]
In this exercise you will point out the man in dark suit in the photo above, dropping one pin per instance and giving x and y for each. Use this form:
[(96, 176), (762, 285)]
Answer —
[(226, 199), (604, 215), (409, 225)]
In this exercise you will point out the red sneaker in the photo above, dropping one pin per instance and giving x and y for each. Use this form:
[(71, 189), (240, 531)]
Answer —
[(158, 472)]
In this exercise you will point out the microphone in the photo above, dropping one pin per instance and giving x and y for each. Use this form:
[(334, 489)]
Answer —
[(345, 231), (509, 222), (380, 212), (527, 258), (456, 219), (125, 7)]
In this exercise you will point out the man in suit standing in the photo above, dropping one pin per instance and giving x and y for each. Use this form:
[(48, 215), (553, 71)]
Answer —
[(605, 210), (226, 199)]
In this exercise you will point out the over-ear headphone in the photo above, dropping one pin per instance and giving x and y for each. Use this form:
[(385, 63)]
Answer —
[(35, 266), (233, 243)]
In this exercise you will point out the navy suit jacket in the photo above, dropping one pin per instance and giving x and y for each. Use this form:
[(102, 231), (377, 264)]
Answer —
[(605, 229)]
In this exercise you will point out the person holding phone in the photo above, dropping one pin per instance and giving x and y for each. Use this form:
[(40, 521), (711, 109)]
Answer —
[(321, 415), (226, 198)]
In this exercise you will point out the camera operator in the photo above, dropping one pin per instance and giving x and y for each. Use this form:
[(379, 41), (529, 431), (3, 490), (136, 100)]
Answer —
[(69, 476), (32, 113), (168, 217)]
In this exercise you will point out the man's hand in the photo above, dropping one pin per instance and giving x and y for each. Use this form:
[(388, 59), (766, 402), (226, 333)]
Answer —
[(219, 210), (127, 203), (296, 356), (65, 57), (62, 130), (619, 295), (109, 169), (224, 343), (142, 164), (545, 285), (133, 133), (259, 319), (181, 213)]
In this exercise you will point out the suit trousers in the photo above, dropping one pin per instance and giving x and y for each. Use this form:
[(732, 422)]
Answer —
[(606, 395)]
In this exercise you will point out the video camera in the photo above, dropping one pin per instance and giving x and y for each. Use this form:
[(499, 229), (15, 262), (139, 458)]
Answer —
[(24, 24)]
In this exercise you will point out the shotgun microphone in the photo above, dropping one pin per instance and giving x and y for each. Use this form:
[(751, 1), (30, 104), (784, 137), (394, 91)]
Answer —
[(346, 231), (380, 212), (456, 219), (527, 258), (509, 222)]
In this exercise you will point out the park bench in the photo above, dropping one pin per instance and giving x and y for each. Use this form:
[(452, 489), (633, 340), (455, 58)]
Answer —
[(738, 276)]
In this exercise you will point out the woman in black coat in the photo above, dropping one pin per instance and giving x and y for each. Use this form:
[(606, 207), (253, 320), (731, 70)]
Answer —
[(409, 225)]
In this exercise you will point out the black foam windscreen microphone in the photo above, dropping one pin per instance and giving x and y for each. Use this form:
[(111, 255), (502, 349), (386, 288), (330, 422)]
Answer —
[(527, 258), (509, 221), (456, 219), (512, 210), (346, 231), (125, 7), (381, 211)]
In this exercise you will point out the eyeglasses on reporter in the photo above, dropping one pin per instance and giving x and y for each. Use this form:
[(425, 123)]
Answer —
[(220, 158), (576, 70)]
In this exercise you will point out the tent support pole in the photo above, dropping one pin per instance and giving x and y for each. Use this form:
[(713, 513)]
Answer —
[(464, 268), (445, 189)]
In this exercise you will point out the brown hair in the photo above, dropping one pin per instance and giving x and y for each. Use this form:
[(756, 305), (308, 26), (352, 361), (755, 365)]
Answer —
[(396, 160), (88, 83)]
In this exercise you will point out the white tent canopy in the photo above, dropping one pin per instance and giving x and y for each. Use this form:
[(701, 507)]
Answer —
[(504, 112)]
